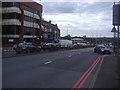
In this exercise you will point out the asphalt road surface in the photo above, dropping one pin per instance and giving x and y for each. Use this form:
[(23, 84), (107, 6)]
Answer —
[(62, 69)]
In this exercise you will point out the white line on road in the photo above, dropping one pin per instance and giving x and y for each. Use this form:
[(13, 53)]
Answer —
[(70, 56), (48, 62)]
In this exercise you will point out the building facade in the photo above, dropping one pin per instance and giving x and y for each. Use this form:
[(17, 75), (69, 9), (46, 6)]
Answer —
[(21, 21), (50, 32)]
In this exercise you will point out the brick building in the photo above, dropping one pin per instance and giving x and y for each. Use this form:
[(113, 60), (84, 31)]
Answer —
[(50, 32), (21, 21)]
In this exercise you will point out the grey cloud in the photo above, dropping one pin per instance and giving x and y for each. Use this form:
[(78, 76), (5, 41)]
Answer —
[(76, 7), (59, 7), (95, 8)]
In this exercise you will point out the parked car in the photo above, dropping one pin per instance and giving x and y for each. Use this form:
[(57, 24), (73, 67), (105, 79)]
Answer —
[(75, 45), (102, 49), (83, 45), (50, 46), (26, 47)]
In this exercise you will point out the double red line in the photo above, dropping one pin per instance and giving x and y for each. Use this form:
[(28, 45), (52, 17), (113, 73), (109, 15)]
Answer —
[(84, 77)]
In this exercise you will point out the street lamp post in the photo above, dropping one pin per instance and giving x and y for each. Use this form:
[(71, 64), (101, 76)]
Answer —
[(114, 40), (67, 29)]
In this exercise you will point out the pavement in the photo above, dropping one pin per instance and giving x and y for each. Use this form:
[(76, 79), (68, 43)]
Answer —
[(107, 76)]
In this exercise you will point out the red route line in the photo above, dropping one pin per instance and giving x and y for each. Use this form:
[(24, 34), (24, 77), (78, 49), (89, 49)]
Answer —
[(85, 74), (81, 84)]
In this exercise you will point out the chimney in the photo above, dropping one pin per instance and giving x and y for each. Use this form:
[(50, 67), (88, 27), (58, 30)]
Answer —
[(49, 21)]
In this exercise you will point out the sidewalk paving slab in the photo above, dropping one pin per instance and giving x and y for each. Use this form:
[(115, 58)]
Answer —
[(107, 76)]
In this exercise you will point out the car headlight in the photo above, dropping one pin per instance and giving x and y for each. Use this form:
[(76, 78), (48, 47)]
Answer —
[(102, 50)]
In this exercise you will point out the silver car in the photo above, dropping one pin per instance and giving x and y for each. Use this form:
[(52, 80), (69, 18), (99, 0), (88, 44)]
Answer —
[(102, 49)]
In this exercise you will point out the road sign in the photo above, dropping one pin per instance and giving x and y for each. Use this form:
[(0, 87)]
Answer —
[(114, 29), (116, 14)]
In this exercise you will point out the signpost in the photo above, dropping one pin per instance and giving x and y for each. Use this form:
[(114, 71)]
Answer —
[(114, 40), (116, 21)]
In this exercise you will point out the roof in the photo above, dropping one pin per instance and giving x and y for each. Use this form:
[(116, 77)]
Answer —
[(49, 25)]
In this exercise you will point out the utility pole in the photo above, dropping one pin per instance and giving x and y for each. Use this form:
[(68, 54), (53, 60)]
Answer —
[(118, 42), (114, 39), (67, 29)]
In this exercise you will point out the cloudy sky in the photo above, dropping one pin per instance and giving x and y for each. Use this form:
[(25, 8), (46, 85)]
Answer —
[(80, 18)]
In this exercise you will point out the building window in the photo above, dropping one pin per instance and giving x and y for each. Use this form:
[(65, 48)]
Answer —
[(29, 19), (10, 4), (10, 16), (30, 31), (45, 36), (30, 9), (10, 30), (7, 4), (16, 4), (55, 31), (45, 29), (50, 30)]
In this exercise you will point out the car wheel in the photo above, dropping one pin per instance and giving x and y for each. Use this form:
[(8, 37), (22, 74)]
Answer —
[(18, 52)]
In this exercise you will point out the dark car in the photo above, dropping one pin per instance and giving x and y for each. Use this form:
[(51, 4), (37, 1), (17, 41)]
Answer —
[(102, 49), (26, 47)]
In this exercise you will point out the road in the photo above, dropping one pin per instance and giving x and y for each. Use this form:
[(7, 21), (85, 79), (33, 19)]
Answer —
[(61, 69)]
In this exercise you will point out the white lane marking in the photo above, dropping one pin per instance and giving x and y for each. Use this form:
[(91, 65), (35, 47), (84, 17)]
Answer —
[(74, 50), (48, 62), (70, 56), (106, 55)]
